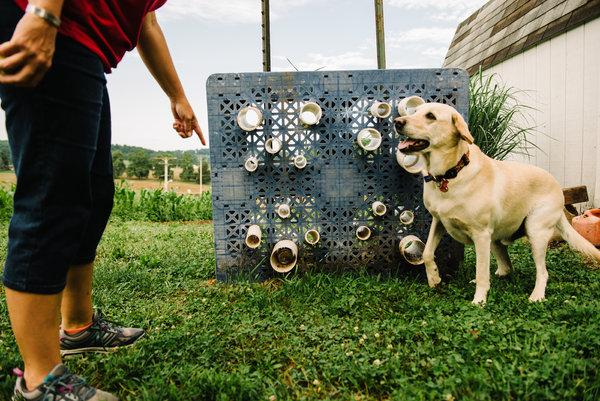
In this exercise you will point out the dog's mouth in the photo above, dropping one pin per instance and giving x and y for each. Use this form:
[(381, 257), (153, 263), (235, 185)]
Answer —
[(412, 145)]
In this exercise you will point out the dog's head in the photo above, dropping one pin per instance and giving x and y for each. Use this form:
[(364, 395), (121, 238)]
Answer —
[(433, 126)]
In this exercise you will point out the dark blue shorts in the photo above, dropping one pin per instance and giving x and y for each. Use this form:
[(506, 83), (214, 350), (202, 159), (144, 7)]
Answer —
[(59, 134)]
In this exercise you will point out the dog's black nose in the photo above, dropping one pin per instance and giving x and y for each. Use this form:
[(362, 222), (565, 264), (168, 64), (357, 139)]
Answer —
[(400, 124)]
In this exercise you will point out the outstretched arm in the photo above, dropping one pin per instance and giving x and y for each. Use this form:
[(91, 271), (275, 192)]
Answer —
[(154, 51)]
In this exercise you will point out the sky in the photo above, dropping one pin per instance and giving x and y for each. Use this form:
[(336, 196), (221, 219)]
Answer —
[(220, 36)]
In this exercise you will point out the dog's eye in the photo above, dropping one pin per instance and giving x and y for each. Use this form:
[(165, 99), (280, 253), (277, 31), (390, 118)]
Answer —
[(430, 116)]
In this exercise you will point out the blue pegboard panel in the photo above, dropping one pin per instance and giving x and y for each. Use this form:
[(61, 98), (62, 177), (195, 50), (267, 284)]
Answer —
[(334, 193)]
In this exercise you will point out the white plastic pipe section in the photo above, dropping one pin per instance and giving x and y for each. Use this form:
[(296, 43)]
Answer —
[(300, 161), (411, 249), (379, 208), (380, 110), (369, 139), (251, 164), (310, 113), (250, 118), (407, 217), (408, 105), (284, 211), (284, 256), (253, 237), (273, 146), (414, 164), (312, 237), (363, 233)]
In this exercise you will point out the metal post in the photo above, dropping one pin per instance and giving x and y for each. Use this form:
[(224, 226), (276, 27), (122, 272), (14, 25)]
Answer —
[(379, 27), (166, 184), (200, 171), (266, 36)]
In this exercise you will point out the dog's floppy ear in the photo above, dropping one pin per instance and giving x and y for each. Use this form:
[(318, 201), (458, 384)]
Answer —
[(462, 128)]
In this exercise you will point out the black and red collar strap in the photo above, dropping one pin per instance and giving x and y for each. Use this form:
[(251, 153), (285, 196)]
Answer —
[(442, 180)]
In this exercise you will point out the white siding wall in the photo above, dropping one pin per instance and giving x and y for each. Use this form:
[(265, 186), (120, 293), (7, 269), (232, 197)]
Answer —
[(560, 79)]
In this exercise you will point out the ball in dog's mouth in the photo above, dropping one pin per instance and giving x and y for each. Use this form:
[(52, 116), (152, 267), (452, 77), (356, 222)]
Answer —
[(412, 145)]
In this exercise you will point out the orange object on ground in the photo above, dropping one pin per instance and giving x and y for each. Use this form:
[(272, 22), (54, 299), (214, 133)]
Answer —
[(588, 225)]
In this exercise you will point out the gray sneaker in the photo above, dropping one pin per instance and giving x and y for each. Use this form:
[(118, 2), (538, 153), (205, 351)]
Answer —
[(102, 336), (59, 385)]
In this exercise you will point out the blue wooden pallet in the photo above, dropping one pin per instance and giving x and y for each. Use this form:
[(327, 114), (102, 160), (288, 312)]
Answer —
[(334, 193)]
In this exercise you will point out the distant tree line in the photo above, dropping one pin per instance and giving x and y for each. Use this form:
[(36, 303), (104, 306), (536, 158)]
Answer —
[(127, 151), (137, 162)]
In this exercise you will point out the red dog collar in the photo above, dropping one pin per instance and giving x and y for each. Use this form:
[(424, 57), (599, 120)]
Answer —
[(442, 180)]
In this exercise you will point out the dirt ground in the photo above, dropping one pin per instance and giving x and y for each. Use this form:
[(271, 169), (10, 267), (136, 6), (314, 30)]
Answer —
[(8, 178)]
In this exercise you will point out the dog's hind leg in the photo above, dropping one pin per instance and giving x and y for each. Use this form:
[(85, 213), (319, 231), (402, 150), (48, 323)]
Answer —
[(482, 243), (500, 252), (540, 228), (436, 232)]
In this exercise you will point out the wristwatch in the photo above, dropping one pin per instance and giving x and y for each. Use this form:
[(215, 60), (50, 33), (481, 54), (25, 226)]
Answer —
[(43, 14)]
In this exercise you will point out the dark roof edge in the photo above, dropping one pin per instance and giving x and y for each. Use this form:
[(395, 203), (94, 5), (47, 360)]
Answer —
[(576, 18)]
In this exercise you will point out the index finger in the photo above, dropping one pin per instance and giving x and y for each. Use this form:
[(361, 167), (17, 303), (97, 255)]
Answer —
[(198, 131)]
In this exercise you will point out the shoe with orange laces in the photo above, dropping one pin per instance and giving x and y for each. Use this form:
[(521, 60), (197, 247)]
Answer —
[(100, 336)]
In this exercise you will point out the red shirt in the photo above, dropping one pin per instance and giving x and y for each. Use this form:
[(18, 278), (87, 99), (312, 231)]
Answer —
[(109, 28)]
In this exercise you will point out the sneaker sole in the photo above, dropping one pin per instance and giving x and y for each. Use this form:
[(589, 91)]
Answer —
[(97, 350)]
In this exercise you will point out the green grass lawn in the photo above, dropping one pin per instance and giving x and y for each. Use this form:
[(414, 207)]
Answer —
[(344, 337)]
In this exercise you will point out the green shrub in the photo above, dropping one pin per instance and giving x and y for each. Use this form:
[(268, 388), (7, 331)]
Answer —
[(158, 205), (6, 203), (493, 118), (146, 205)]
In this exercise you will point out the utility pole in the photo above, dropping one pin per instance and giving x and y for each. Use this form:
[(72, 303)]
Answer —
[(266, 35), (201, 183), (380, 31), (166, 180)]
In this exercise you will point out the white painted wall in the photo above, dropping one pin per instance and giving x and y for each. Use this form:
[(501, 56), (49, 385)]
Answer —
[(560, 79)]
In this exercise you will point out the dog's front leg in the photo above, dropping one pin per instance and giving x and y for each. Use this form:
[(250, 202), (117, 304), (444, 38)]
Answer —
[(482, 243), (436, 232)]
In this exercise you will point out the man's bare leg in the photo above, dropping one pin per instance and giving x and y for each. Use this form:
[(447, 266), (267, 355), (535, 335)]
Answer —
[(77, 310), (35, 321)]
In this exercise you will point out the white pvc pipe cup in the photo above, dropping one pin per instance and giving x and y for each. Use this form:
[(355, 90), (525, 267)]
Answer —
[(284, 211), (253, 237), (300, 162), (408, 105), (312, 237), (379, 209), (251, 164), (380, 110), (284, 256), (273, 146), (414, 164), (407, 217), (310, 113), (411, 249), (369, 139), (363, 233), (250, 118)]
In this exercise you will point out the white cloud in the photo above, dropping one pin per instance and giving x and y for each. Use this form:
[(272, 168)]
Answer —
[(420, 36), (352, 60), (429, 45), (226, 11), (441, 10), (435, 52)]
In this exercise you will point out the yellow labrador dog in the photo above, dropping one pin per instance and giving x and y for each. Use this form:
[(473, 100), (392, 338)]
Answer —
[(482, 201)]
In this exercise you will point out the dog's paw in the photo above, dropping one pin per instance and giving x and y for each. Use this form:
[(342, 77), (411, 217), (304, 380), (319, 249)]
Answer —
[(537, 297), (478, 302), (434, 281), (480, 298), (502, 272)]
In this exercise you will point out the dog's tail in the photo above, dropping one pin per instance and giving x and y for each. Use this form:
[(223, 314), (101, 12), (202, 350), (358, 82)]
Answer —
[(576, 241)]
